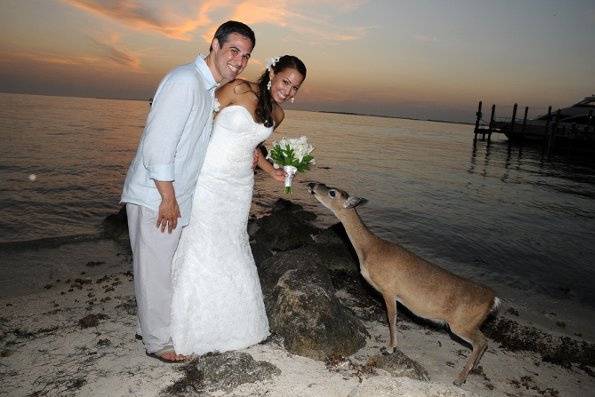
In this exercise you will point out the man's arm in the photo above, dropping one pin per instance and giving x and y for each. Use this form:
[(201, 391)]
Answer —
[(171, 108), (166, 122)]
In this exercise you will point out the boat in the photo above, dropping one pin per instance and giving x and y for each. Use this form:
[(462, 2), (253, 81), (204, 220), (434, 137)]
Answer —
[(568, 125), (581, 113)]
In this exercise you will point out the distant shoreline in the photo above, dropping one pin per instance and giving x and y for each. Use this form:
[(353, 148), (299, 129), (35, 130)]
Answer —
[(391, 117), (148, 99)]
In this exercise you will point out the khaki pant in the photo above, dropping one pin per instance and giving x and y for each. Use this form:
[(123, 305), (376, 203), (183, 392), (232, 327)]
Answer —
[(152, 255)]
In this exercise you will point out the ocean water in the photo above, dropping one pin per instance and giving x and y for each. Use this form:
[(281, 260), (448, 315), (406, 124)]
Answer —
[(503, 215)]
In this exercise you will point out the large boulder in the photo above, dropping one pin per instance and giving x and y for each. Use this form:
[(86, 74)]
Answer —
[(303, 309), (335, 251), (285, 228)]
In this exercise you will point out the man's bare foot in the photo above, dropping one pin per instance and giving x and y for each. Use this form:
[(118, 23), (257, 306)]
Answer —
[(168, 355)]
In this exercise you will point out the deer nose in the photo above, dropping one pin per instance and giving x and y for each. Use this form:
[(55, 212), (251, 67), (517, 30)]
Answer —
[(311, 187)]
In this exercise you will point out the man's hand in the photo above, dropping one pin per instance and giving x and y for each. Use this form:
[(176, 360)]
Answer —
[(169, 212)]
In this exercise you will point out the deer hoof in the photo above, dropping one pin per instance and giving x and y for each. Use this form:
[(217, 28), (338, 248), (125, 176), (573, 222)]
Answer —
[(458, 382), (388, 350)]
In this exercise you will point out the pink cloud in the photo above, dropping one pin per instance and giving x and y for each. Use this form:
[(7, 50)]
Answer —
[(115, 53), (140, 17), (174, 24), (110, 57)]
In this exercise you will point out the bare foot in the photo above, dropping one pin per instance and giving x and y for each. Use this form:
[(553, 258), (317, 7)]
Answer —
[(168, 355)]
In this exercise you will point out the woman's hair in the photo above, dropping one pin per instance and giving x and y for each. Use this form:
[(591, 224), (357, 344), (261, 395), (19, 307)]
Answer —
[(264, 108)]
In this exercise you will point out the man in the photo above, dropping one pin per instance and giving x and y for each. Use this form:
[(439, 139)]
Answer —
[(162, 177)]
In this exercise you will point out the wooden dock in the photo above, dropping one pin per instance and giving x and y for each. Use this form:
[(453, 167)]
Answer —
[(549, 131)]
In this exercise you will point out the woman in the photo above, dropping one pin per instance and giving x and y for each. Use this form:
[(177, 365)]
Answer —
[(217, 303)]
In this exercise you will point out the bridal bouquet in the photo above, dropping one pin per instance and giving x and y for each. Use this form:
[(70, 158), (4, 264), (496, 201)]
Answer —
[(293, 154)]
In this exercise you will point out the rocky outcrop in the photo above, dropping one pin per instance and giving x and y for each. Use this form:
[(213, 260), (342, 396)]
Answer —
[(220, 372), (298, 289), (302, 307), (286, 228), (399, 364)]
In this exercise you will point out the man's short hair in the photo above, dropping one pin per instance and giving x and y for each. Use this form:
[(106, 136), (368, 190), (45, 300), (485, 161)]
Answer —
[(229, 27)]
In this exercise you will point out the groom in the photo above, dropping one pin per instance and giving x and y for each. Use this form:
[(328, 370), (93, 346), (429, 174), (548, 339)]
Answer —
[(162, 177)]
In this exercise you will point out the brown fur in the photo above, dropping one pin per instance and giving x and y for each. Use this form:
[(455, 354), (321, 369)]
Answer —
[(426, 289)]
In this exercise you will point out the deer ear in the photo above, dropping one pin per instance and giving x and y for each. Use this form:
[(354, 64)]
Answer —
[(353, 202)]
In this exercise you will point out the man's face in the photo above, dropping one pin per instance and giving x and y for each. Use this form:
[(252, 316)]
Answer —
[(231, 58)]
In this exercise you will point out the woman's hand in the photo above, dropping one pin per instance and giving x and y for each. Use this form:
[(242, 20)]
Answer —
[(278, 174)]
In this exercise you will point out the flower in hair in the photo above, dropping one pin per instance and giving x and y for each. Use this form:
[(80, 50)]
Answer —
[(271, 62)]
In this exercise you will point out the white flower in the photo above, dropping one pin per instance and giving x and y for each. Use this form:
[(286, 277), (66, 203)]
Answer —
[(271, 62), (290, 153)]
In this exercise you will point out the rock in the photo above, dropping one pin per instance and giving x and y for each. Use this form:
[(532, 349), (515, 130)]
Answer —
[(221, 372), (302, 307), (399, 364), (335, 250), (285, 228), (115, 226), (260, 252)]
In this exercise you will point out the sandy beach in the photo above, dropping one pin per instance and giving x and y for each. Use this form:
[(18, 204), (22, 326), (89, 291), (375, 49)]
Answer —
[(75, 335)]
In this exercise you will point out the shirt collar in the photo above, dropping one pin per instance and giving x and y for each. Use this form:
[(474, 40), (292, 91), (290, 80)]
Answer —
[(205, 72)]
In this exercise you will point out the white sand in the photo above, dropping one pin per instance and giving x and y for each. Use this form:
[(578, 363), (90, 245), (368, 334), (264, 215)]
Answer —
[(61, 358)]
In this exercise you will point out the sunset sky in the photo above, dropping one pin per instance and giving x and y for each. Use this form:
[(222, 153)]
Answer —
[(425, 58)]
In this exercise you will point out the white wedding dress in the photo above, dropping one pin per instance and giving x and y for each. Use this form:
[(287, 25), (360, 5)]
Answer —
[(217, 302)]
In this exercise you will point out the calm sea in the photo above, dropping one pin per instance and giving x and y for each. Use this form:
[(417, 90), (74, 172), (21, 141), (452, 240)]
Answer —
[(504, 215)]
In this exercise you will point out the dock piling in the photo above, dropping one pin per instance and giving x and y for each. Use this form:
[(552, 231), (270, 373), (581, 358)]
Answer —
[(513, 120), (491, 126), (478, 119), (524, 128)]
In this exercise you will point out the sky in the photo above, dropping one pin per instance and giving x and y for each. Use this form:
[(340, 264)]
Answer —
[(429, 59)]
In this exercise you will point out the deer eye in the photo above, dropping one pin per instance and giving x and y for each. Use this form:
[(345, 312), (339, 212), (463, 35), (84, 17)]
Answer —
[(331, 193)]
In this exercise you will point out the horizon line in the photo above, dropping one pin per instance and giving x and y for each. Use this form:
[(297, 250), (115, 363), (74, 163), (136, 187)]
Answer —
[(147, 99)]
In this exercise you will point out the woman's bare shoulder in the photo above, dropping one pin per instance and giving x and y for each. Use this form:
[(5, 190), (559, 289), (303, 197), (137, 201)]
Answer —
[(233, 91), (237, 86)]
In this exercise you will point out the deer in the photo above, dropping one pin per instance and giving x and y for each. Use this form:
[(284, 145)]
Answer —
[(399, 275)]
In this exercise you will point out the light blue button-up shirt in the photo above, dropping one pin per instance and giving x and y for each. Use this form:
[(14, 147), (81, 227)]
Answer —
[(174, 141)]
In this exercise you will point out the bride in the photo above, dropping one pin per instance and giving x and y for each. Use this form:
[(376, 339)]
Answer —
[(217, 303)]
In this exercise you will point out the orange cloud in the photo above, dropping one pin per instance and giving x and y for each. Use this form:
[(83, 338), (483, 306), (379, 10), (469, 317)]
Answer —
[(261, 11), (252, 12), (110, 47), (141, 17), (278, 13), (111, 57)]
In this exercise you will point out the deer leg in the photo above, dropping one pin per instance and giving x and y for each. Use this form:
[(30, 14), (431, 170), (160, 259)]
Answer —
[(479, 343), (391, 313)]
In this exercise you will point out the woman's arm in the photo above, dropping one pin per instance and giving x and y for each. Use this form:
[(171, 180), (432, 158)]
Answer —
[(266, 166)]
